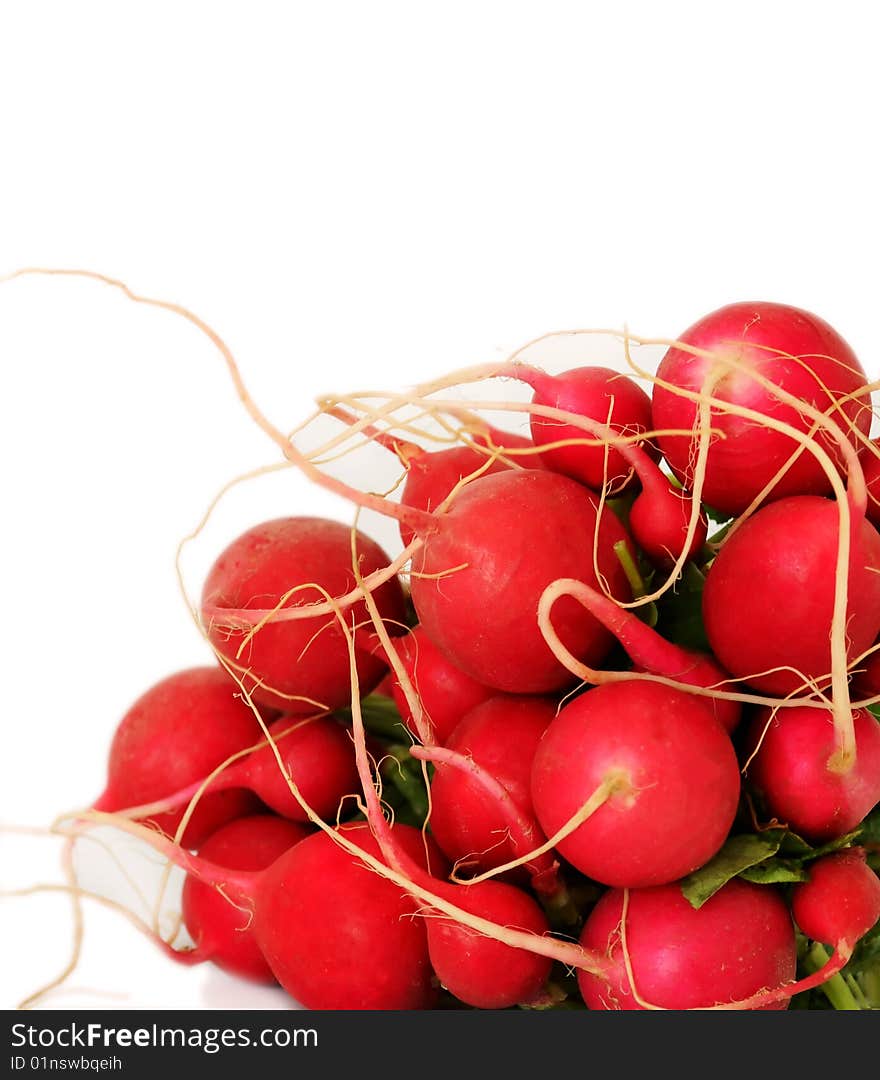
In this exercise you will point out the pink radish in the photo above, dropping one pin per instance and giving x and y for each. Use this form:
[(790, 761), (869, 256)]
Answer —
[(673, 776), (467, 819), (792, 348), (599, 394), (299, 665), (431, 477), (432, 474), (659, 519), (661, 512), (446, 693), (650, 652), (837, 906), (841, 901), (221, 930), (740, 942), (769, 595), (791, 770), (179, 731), (317, 755), (480, 574)]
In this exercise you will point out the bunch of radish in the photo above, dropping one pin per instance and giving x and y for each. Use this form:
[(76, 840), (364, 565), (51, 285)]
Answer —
[(602, 732)]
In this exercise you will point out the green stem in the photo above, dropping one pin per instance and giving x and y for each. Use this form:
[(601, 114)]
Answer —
[(633, 575), (560, 908), (835, 989), (648, 613), (856, 991)]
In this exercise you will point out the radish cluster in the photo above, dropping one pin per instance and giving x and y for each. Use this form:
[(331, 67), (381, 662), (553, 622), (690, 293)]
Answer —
[(570, 743)]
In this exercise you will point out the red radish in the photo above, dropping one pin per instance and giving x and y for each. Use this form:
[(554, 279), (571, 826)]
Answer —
[(432, 474), (660, 515), (792, 348), (597, 393), (791, 769), (740, 942), (446, 693), (494, 952), (841, 901), (479, 576), (659, 519), (431, 477), (338, 936), (339, 933), (769, 595), (336, 933), (501, 736), (176, 733), (317, 755), (651, 652), (478, 970), (673, 776), (502, 541), (479, 954), (299, 665), (220, 929)]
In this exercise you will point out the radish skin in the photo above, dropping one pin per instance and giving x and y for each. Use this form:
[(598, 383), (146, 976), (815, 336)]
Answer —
[(220, 928), (793, 348), (178, 731), (316, 753), (841, 901), (510, 535), (789, 766), (599, 394), (738, 943), (468, 819), (297, 666), (446, 693), (769, 597), (649, 650), (679, 783), (613, 405)]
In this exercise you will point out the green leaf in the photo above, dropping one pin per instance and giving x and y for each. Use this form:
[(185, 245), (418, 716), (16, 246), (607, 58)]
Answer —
[(795, 846), (774, 872), (738, 854), (869, 831), (680, 611)]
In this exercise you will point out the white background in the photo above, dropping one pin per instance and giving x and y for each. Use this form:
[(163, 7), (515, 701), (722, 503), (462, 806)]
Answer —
[(355, 195)]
